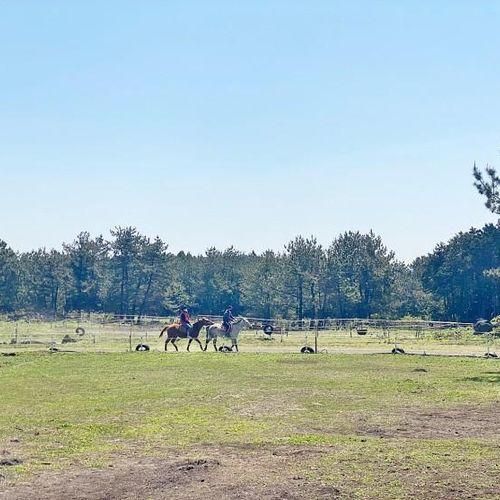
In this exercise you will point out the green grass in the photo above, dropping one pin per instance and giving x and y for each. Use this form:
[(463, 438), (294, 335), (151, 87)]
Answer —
[(83, 408)]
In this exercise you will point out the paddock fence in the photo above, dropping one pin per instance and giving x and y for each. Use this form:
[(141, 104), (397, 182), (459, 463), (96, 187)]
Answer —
[(112, 333)]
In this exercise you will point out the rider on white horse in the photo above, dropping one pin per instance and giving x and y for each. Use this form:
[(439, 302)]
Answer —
[(214, 331), (227, 319)]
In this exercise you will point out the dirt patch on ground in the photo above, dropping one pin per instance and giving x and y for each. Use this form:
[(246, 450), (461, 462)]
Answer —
[(275, 407), (234, 472), (211, 473), (440, 423), (278, 472)]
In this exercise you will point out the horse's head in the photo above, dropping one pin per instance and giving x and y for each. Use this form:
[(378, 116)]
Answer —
[(205, 322), (243, 321)]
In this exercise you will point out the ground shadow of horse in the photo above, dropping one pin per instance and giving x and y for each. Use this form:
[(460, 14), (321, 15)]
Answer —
[(485, 377)]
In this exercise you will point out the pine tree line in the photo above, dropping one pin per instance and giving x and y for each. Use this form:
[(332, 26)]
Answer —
[(355, 276)]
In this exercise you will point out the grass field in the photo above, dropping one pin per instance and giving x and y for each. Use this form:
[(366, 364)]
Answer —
[(156, 425)]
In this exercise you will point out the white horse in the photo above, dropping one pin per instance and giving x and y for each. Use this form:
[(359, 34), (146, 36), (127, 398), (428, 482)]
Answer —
[(214, 331)]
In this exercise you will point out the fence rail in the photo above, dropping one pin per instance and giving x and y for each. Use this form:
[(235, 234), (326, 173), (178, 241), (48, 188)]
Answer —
[(103, 333), (306, 323)]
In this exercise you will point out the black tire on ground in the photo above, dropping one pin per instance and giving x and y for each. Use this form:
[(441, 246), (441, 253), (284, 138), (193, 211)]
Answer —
[(224, 348), (491, 355), (80, 331), (142, 347), (268, 329), (362, 331), (307, 350), (398, 350)]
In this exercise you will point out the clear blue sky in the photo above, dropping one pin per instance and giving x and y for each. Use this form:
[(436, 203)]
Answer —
[(246, 123)]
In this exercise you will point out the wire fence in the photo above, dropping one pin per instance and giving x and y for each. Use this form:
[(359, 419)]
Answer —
[(109, 333)]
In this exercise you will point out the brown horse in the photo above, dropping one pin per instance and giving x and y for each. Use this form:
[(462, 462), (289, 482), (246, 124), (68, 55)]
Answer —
[(174, 332)]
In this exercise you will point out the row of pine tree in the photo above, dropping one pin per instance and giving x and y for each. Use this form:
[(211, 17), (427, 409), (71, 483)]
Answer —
[(355, 276)]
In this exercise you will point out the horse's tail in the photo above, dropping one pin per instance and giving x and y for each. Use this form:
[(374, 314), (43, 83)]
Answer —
[(163, 331)]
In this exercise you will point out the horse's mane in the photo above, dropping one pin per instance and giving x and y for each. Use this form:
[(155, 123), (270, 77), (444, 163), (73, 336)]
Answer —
[(241, 318)]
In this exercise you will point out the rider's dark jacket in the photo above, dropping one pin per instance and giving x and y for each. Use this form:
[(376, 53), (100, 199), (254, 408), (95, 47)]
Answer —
[(185, 319), (227, 317)]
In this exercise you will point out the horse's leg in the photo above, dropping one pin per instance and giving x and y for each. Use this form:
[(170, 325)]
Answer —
[(166, 342), (199, 343), (234, 343), (173, 343), (189, 343), (215, 343), (207, 340)]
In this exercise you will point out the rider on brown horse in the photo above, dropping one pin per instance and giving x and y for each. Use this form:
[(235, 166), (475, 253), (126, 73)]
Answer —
[(185, 321), (175, 332)]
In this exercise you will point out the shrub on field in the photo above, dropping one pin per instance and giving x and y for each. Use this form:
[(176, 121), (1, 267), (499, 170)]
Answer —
[(483, 326), (450, 334)]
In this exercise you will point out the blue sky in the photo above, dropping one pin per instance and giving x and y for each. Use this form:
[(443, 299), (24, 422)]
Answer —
[(246, 123)]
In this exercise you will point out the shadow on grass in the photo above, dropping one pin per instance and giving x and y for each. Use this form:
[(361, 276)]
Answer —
[(485, 377)]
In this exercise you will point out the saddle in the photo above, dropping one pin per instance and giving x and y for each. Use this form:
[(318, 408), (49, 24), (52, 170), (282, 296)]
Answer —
[(182, 328)]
